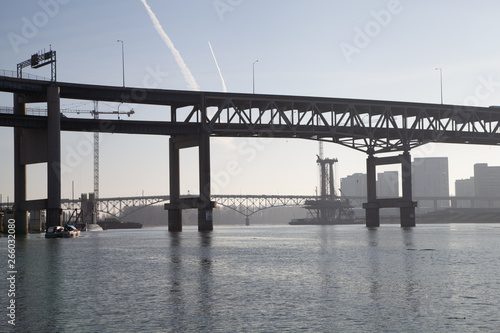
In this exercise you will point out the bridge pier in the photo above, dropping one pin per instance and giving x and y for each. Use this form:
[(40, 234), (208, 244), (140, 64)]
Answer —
[(203, 203), (20, 212), (405, 204), (174, 213), (372, 207), (38, 146), (205, 216), (54, 211), (407, 213)]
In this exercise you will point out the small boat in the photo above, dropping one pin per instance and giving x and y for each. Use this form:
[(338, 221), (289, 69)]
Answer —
[(54, 232), (70, 231)]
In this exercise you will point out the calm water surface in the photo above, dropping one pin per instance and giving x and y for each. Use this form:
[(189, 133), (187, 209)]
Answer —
[(432, 278)]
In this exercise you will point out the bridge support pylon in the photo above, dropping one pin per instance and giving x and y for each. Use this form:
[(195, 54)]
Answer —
[(175, 211), (54, 211), (20, 212), (38, 145), (405, 203), (407, 212), (372, 208), (203, 203), (205, 208)]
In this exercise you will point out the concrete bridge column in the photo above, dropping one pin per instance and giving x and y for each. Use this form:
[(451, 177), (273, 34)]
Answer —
[(20, 213), (205, 218), (372, 209), (175, 213), (54, 211), (407, 212)]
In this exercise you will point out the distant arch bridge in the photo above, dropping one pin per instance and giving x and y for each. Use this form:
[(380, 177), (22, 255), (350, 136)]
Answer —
[(246, 205)]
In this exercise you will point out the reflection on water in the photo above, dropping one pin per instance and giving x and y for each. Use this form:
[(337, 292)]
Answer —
[(268, 278)]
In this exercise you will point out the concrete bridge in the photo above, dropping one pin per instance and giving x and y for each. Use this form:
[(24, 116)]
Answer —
[(370, 126)]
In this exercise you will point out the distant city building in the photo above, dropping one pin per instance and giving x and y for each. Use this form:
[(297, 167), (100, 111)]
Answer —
[(354, 185), (486, 184), (430, 179), (388, 184), (464, 188)]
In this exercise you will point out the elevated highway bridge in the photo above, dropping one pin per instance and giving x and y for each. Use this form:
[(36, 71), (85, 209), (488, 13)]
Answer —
[(191, 118)]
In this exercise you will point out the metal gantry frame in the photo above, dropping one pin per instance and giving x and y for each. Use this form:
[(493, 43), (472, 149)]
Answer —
[(38, 60)]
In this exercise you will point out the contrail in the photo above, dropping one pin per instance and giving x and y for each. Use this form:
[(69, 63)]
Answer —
[(180, 62), (224, 88)]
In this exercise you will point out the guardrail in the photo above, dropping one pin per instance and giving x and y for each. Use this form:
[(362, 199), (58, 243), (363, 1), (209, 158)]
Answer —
[(8, 73)]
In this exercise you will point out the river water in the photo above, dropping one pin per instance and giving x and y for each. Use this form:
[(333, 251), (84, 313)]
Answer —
[(431, 278)]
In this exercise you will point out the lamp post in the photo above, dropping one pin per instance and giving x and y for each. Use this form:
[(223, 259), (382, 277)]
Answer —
[(123, 62), (441, 80), (253, 75)]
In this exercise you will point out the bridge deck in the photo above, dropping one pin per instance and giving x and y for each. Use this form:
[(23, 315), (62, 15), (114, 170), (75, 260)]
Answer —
[(366, 125)]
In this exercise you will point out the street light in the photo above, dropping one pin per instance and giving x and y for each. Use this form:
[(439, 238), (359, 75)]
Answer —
[(253, 75), (441, 80), (123, 62)]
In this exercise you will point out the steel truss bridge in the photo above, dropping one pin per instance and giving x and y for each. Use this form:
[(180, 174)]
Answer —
[(246, 205), (367, 125), (192, 117)]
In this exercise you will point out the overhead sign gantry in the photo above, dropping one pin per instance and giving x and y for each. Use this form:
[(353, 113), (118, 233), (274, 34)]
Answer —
[(38, 60)]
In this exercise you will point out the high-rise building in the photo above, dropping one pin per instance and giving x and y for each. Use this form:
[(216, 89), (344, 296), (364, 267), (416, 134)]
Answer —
[(464, 188), (486, 184), (354, 185), (430, 179), (388, 184)]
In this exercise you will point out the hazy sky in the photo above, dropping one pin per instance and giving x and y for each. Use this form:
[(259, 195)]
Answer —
[(386, 50)]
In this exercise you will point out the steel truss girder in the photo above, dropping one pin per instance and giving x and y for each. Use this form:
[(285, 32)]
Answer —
[(366, 125), (246, 205), (371, 126)]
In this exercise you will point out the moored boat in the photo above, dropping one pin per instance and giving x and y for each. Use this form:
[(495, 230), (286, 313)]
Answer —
[(70, 231), (54, 232)]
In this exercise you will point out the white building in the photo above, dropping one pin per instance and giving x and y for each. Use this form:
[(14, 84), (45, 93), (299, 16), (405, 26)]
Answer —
[(354, 185), (487, 185), (464, 188), (430, 179), (388, 184)]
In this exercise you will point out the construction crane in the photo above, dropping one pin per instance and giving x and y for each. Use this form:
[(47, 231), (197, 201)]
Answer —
[(95, 113)]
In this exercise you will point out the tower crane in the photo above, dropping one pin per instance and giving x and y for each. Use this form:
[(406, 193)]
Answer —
[(96, 114)]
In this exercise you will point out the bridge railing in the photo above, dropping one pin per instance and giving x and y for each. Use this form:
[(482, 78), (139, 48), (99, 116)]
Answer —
[(29, 111), (8, 73)]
